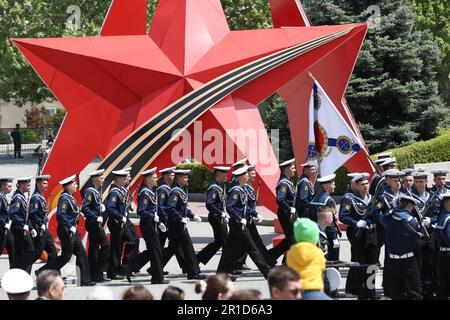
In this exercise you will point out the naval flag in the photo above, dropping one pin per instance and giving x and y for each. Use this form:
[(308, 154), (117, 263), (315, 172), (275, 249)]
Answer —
[(331, 141)]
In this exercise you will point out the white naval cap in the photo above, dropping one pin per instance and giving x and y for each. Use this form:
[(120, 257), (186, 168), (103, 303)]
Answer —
[(353, 174), (308, 165), (149, 171), (17, 281), (420, 175), (327, 179), (420, 169), (409, 171), (167, 170), (221, 169), (182, 171), (240, 162), (97, 173), (439, 172), (393, 173), (6, 179), (68, 180), (380, 161), (24, 179), (240, 171), (388, 161), (384, 155), (43, 177), (361, 176), (287, 163), (120, 173), (127, 169), (251, 167)]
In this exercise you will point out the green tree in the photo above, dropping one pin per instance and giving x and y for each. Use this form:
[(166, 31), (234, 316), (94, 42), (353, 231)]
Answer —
[(277, 118), (393, 92)]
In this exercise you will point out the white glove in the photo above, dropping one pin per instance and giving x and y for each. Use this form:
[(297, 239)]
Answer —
[(335, 243), (102, 208), (259, 219), (162, 227), (184, 220), (223, 215), (43, 227), (156, 218), (124, 219), (197, 218), (292, 210), (244, 221), (26, 227), (132, 206), (8, 226), (100, 219), (426, 221), (33, 233), (226, 220), (73, 229), (361, 224)]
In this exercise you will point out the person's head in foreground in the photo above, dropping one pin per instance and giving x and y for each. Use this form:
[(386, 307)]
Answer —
[(284, 284), (216, 287), (250, 294), (17, 284), (137, 293), (50, 285), (172, 293), (324, 216), (308, 259)]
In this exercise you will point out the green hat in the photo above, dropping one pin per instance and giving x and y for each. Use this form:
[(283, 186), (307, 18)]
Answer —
[(306, 230)]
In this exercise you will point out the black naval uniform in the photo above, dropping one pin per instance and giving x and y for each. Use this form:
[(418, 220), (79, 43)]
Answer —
[(67, 216), (402, 240), (132, 244), (179, 235), (44, 239), (215, 198), (305, 194), (6, 236), (443, 254), (285, 199), (364, 249), (237, 204), (147, 210), (24, 253), (99, 248), (120, 232)]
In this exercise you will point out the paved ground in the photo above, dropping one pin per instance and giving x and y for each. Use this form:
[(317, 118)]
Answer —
[(201, 234)]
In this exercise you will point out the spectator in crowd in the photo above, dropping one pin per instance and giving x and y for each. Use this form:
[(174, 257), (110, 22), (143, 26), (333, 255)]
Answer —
[(173, 293), (216, 287), (17, 140), (18, 284), (100, 293), (307, 259), (284, 284), (251, 294), (137, 293), (50, 285)]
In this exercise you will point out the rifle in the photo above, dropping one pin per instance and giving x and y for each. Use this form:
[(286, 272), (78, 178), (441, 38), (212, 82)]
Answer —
[(371, 205), (27, 208), (46, 212), (419, 215), (429, 203), (224, 201), (293, 202), (256, 197)]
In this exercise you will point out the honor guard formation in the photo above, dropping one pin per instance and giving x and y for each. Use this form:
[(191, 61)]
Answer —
[(394, 210)]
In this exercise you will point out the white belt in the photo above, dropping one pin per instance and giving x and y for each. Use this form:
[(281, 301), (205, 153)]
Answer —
[(403, 256), (444, 249)]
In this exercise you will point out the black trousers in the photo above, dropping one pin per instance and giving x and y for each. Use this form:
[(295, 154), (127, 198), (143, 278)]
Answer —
[(239, 235), (71, 244), (120, 236), (131, 242), (17, 149), (443, 292), (44, 241), (403, 279), (24, 248), (220, 232), (363, 251), (286, 224), (426, 260), (163, 236), (333, 253), (99, 249), (179, 238), (153, 252), (7, 241), (260, 244)]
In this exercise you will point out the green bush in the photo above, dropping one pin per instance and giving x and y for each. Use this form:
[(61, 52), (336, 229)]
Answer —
[(29, 136), (433, 150), (5, 138)]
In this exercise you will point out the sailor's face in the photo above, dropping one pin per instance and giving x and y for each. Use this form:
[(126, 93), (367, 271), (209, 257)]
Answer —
[(363, 187), (420, 184), (394, 183), (43, 185), (439, 181)]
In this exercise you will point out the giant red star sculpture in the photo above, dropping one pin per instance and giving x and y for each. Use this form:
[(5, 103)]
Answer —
[(126, 91)]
